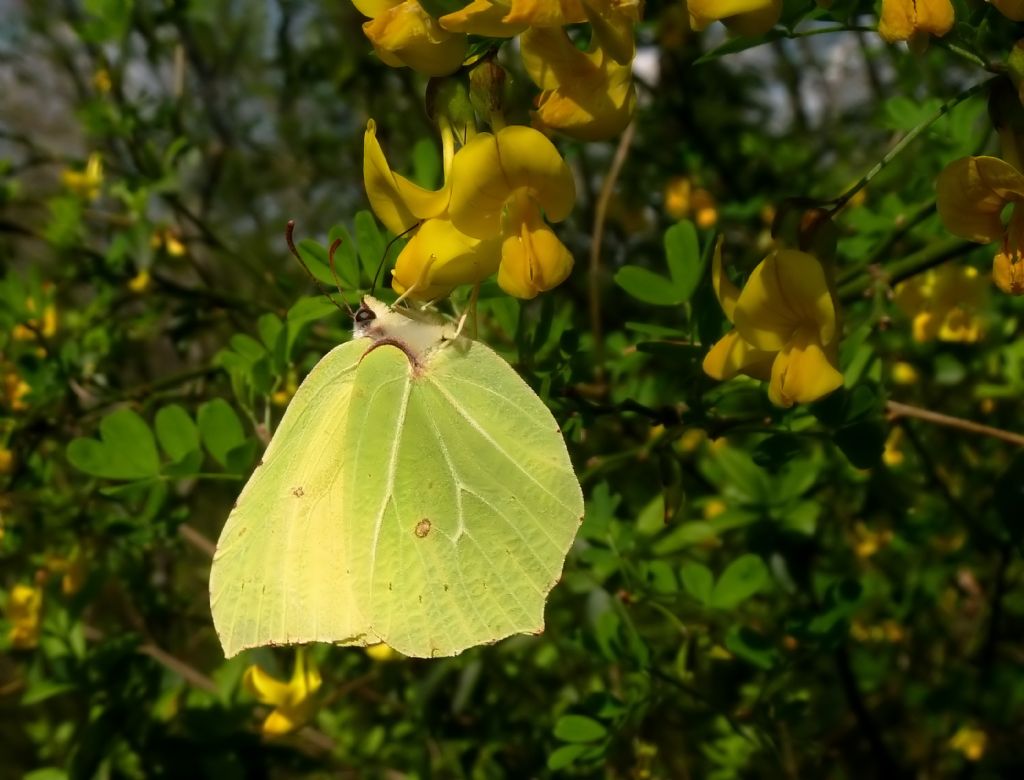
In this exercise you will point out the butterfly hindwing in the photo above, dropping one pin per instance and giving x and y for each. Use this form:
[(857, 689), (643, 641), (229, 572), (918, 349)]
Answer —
[(467, 501)]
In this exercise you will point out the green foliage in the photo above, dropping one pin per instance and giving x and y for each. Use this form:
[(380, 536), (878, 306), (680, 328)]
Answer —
[(832, 590)]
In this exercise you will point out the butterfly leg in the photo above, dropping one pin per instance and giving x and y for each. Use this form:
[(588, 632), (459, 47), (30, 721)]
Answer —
[(470, 309)]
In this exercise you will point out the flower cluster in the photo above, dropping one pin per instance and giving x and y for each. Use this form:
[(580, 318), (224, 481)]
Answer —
[(488, 216), (585, 94), (501, 187), (972, 193)]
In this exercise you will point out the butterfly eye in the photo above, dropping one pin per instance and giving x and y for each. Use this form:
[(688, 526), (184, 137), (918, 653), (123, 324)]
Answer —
[(364, 315)]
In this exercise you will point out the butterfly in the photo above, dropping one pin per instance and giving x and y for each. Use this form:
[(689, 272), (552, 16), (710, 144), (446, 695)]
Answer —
[(417, 492)]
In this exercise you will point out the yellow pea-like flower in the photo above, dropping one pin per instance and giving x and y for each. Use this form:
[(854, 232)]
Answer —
[(971, 195), (86, 184), (503, 185), (785, 328), (743, 17), (910, 20), (404, 34), (1011, 9), (505, 18), (943, 304), (293, 702), (24, 611), (586, 95)]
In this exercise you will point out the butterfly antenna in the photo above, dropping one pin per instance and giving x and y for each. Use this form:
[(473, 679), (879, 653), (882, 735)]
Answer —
[(288, 230), (387, 249)]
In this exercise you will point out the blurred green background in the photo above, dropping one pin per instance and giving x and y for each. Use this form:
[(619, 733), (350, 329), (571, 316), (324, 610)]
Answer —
[(831, 591)]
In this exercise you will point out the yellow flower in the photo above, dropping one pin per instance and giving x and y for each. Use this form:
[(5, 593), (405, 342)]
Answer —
[(914, 20), (396, 201), (743, 17), (167, 240), (15, 389), (438, 257), (586, 95), (140, 282), (101, 80), (293, 702), (505, 18), (969, 742), (713, 508), (612, 22), (904, 373), (503, 185), (691, 440), (942, 303), (85, 184), (869, 542), (892, 455), (282, 396), (785, 328), (404, 34), (1011, 9), (45, 326), (6, 460), (72, 570), (972, 193), (382, 653), (682, 200), (24, 609)]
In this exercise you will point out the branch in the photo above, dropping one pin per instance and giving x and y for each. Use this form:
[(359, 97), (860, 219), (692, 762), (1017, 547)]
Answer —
[(897, 410), (600, 215)]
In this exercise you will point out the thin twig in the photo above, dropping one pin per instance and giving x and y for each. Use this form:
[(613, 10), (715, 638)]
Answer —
[(196, 539), (600, 215), (905, 141), (897, 410)]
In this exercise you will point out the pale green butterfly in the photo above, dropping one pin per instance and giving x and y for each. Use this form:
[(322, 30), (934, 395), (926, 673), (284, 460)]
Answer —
[(417, 493)]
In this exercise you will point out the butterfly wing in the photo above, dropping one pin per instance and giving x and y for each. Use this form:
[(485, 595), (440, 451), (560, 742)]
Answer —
[(467, 501), (278, 575)]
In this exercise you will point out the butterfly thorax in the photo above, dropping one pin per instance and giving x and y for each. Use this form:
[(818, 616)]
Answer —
[(415, 333)]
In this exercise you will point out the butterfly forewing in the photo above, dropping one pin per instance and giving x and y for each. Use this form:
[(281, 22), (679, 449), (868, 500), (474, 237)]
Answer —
[(278, 575)]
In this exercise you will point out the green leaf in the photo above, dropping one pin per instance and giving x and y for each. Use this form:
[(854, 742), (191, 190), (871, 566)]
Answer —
[(685, 263), (647, 286), (565, 756), (579, 728), (426, 164), (126, 449), (248, 347), (775, 451), (269, 327), (314, 307), (315, 257), (698, 580), (741, 579), (862, 443), (176, 432), (346, 262), (369, 243), (1009, 493), (751, 646), (738, 44), (46, 773), (42, 690), (220, 428)]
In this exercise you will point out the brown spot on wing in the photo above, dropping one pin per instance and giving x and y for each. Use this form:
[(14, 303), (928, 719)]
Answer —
[(422, 528)]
